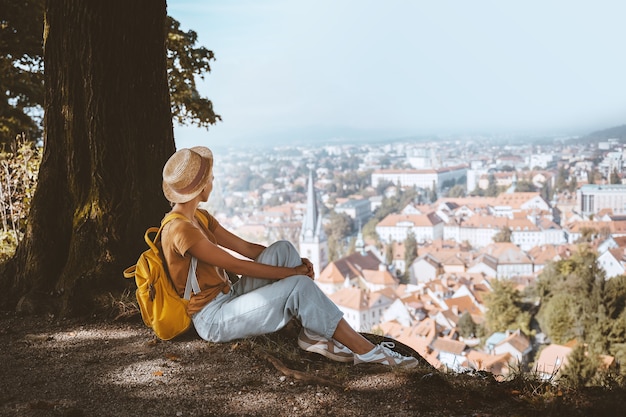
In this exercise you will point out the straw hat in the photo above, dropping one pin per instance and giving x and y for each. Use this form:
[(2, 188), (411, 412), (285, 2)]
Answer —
[(186, 173)]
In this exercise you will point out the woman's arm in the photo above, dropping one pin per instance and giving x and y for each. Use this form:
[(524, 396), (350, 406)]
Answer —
[(235, 243), (212, 254)]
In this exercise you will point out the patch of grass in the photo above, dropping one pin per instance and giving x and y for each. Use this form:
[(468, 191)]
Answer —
[(122, 306)]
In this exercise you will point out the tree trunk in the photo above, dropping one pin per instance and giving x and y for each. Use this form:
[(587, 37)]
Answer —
[(108, 132)]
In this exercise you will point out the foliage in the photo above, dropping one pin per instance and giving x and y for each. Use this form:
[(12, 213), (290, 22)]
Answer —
[(546, 191), (505, 308), (477, 192), (395, 204), (18, 177), (410, 254), (338, 227), (615, 297), (431, 193), (389, 253), (503, 235), (457, 191), (390, 205), (21, 66), (573, 185), (616, 339), (382, 186), (369, 229), (581, 368), (350, 182), (557, 318), (589, 234), (561, 179), (577, 302), (244, 179), (523, 186), (614, 302), (466, 325), (21, 69), (565, 182), (594, 176), (492, 188), (184, 63), (614, 178)]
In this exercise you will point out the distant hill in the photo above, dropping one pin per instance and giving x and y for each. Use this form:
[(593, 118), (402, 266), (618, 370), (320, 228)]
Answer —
[(335, 135), (618, 132)]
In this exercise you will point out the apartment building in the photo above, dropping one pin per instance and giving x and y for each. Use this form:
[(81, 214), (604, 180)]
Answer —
[(592, 198), (359, 210), (420, 178), (363, 310), (396, 227)]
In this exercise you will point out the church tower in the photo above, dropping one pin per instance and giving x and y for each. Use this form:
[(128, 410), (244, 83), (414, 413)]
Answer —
[(313, 242)]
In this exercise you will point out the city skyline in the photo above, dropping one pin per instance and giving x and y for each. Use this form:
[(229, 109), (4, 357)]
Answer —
[(328, 70)]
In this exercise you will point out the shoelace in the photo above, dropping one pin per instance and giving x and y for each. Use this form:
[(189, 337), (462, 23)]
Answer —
[(390, 346)]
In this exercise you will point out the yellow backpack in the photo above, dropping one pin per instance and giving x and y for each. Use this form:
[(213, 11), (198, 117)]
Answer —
[(162, 309)]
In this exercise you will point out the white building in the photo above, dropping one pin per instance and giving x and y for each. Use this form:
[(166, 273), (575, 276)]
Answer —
[(423, 269), (505, 258), (613, 262), (477, 230), (420, 178), (396, 227), (542, 160), (509, 204), (362, 310), (592, 198), (359, 210)]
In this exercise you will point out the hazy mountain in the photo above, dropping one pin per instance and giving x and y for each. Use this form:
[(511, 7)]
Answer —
[(618, 132)]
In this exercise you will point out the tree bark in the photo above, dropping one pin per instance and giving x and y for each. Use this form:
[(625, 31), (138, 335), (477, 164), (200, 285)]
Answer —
[(108, 132)]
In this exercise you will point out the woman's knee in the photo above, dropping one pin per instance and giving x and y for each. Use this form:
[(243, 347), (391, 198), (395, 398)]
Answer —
[(280, 253), (284, 246)]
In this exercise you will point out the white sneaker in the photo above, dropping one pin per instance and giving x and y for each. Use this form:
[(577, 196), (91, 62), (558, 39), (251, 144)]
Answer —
[(383, 354), (327, 347)]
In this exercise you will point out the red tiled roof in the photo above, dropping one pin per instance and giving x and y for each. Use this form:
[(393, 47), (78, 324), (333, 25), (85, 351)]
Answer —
[(515, 200), (417, 220), (352, 298), (378, 277), (448, 345), (330, 275), (463, 304)]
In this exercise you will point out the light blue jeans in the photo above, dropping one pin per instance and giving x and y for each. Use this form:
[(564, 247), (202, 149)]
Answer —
[(258, 306)]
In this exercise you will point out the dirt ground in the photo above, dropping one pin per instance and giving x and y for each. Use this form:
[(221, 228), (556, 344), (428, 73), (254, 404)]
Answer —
[(99, 367)]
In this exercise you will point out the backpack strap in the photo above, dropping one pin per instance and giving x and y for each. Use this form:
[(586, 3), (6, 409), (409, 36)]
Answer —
[(202, 218), (192, 280), (152, 243)]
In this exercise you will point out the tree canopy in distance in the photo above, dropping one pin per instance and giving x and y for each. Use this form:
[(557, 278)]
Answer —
[(22, 66)]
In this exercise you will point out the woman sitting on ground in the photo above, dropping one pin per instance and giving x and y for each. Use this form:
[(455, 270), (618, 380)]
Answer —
[(276, 283)]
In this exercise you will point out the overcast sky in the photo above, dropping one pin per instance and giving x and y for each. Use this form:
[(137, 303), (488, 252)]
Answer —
[(400, 68)]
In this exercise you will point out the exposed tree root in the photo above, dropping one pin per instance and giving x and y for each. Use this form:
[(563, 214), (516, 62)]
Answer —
[(299, 375)]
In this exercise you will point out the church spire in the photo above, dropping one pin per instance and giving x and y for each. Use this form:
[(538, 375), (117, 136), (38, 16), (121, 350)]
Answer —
[(309, 227), (313, 242), (312, 230)]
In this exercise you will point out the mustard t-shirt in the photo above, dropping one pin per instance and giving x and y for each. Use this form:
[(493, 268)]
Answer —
[(176, 238)]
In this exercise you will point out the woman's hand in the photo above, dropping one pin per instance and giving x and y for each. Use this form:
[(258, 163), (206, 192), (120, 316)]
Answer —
[(310, 272)]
